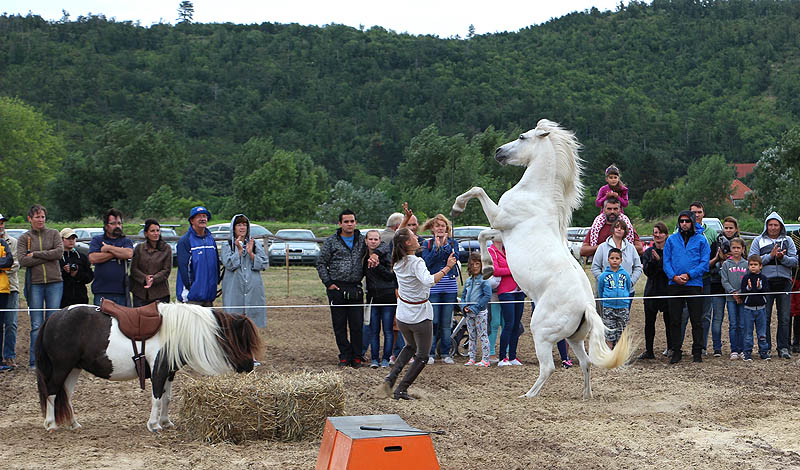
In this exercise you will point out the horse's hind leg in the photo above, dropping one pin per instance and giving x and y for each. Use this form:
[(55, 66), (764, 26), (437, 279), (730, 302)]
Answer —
[(583, 360), (164, 420), (69, 386), (544, 352)]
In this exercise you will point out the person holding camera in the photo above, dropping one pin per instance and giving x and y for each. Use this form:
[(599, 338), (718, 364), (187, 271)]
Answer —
[(75, 271)]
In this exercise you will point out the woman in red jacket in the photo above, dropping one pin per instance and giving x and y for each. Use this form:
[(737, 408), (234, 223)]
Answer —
[(511, 306)]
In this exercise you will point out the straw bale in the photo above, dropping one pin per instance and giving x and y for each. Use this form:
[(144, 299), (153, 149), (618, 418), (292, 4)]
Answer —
[(275, 407)]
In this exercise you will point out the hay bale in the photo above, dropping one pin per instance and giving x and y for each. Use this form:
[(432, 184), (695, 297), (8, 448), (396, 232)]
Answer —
[(276, 407)]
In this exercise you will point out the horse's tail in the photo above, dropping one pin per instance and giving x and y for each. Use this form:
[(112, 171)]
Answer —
[(44, 371), (599, 352)]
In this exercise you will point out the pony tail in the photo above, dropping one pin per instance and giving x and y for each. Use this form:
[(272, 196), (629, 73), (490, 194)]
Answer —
[(401, 236)]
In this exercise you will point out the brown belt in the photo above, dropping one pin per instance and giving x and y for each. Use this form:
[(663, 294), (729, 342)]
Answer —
[(408, 301)]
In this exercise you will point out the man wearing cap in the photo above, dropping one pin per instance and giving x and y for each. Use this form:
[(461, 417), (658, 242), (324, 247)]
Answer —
[(198, 261), (109, 253), (8, 334), (75, 271)]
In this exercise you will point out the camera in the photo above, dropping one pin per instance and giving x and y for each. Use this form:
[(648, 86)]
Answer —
[(73, 267)]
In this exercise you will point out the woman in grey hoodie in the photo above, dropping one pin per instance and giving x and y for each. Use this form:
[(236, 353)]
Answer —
[(244, 259)]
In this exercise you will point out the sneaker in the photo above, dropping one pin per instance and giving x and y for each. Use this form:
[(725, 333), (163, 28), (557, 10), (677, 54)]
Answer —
[(471, 362), (784, 354), (430, 360), (343, 363), (493, 359), (667, 352), (392, 359), (697, 358), (4, 367), (10, 363), (717, 353), (646, 355), (448, 360), (373, 364), (796, 348), (747, 356), (411, 361), (705, 353), (566, 364), (764, 355), (676, 357), (256, 363), (734, 356), (384, 363), (503, 363), (515, 362), (483, 363), (356, 363)]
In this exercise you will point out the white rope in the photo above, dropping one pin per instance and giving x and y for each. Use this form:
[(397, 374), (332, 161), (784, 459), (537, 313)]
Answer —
[(447, 303)]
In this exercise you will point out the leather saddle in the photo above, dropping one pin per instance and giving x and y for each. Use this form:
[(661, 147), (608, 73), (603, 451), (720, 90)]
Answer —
[(138, 323)]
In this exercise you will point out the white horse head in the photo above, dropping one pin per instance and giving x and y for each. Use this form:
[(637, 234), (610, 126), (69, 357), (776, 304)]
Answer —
[(550, 153)]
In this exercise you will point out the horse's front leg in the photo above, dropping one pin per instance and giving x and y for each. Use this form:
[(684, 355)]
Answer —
[(164, 420), (489, 207), (486, 260), (158, 379)]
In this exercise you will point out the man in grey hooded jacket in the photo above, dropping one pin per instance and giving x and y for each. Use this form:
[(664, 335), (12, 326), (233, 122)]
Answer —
[(778, 255)]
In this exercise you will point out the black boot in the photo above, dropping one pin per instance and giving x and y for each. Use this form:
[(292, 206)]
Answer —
[(388, 383), (676, 356), (401, 392)]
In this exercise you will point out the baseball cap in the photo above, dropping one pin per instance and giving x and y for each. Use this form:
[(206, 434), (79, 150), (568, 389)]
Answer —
[(68, 232), (199, 210), (2, 217)]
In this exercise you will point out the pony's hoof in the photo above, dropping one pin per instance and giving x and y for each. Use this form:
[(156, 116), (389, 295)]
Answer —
[(154, 427), (488, 271), (50, 426), (167, 424), (75, 425)]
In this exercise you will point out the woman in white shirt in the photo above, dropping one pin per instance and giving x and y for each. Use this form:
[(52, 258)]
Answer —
[(414, 311)]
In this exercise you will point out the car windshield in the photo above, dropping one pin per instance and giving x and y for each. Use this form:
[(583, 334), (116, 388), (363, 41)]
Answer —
[(258, 231), (467, 232), (304, 234)]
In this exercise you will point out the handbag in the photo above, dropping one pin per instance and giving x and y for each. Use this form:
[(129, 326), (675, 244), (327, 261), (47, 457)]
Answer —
[(367, 312)]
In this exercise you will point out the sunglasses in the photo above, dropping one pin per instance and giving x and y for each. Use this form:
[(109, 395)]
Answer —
[(685, 221)]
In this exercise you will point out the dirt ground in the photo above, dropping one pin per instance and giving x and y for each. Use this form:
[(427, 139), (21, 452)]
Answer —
[(718, 414)]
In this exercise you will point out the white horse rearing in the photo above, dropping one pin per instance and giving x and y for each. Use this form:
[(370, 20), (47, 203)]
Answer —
[(532, 220)]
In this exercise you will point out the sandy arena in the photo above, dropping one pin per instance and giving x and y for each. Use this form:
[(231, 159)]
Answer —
[(718, 414)]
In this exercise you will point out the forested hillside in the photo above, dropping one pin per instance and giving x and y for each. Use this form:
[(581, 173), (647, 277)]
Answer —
[(262, 111)]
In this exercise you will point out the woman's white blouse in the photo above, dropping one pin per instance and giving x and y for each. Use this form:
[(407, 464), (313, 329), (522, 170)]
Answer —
[(414, 284)]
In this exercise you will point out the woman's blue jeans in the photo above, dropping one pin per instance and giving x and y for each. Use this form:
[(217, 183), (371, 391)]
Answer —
[(442, 321), (381, 316), (718, 309), (512, 316), (45, 300), (494, 326), (735, 326)]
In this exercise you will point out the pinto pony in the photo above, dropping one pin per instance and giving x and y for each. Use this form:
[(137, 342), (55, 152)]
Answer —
[(81, 337), (532, 220)]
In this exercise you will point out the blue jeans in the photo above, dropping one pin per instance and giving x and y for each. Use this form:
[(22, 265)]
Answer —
[(118, 299), (399, 344), (759, 319), (707, 311), (512, 316), (9, 323), (43, 296), (718, 309), (383, 315), (494, 326), (782, 302), (735, 323), (442, 321)]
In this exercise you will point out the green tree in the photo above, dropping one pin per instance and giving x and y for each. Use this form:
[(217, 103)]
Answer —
[(709, 181), (776, 177), (658, 202), (370, 205), (277, 184), (185, 12), (30, 154)]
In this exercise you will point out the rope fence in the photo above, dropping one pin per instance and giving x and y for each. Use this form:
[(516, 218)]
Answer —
[(245, 307)]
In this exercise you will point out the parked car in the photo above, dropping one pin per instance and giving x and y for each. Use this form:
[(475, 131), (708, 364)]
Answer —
[(166, 231), (300, 250), (467, 238), (86, 234), (714, 223), (575, 236), (221, 233), (15, 232)]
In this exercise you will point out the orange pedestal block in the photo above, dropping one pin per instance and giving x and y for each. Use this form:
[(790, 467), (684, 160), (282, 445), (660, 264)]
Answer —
[(345, 446)]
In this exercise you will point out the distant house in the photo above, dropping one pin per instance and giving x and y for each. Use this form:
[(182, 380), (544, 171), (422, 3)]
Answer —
[(739, 189), (743, 169)]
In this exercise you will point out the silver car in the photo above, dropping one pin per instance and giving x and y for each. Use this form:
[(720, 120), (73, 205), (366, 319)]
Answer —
[(302, 247)]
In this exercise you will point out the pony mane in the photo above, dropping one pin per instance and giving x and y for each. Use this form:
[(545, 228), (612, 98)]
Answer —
[(240, 339), (568, 169), (191, 336)]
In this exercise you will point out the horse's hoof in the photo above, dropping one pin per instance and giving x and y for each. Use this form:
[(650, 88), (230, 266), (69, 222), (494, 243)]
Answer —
[(75, 425), (488, 271), (154, 427), (50, 426), (455, 212), (167, 424)]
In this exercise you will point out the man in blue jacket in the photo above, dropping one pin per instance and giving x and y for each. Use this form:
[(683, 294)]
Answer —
[(198, 262), (686, 255)]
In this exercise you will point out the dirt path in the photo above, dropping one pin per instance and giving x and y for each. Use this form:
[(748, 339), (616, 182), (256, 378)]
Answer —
[(718, 414)]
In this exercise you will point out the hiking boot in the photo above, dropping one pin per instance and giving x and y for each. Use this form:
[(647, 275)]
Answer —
[(676, 357), (647, 355)]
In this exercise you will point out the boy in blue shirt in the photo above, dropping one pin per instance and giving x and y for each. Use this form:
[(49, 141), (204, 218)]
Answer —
[(613, 283), (754, 285)]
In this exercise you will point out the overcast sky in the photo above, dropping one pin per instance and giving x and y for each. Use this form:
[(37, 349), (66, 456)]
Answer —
[(444, 18)]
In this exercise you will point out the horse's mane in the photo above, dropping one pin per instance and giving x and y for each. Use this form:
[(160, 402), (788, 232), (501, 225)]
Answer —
[(191, 336), (240, 336), (568, 168)]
